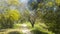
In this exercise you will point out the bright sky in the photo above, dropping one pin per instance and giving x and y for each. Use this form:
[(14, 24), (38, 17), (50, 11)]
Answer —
[(23, 1)]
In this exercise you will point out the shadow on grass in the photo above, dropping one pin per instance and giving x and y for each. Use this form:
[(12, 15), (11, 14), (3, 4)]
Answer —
[(36, 31), (14, 32)]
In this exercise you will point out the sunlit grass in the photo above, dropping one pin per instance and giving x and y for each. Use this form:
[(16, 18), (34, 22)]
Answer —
[(38, 26), (43, 28), (17, 25), (11, 30), (14, 32)]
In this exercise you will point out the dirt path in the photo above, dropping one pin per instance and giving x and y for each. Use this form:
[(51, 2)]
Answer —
[(25, 29)]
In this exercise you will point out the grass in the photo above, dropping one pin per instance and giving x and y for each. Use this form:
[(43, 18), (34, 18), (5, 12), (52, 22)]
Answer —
[(36, 31), (11, 31), (17, 26), (42, 28), (15, 32), (39, 28)]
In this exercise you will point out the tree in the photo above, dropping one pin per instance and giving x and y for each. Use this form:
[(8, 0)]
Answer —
[(32, 20)]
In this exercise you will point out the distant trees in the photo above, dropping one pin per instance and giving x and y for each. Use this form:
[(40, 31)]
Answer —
[(13, 2)]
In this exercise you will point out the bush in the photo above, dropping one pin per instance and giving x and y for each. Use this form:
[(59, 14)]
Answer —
[(7, 19), (6, 22)]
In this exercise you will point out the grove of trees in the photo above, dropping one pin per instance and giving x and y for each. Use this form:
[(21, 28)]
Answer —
[(46, 11), (49, 13)]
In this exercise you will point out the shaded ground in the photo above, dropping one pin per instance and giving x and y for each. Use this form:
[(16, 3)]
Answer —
[(23, 28)]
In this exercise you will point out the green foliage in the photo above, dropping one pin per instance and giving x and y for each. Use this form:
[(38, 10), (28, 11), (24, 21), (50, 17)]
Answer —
[(41, 28), (13, 14), (45, 12), (8, 15), (51, 19), (13, 2), (57, 2), (7, 19)]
